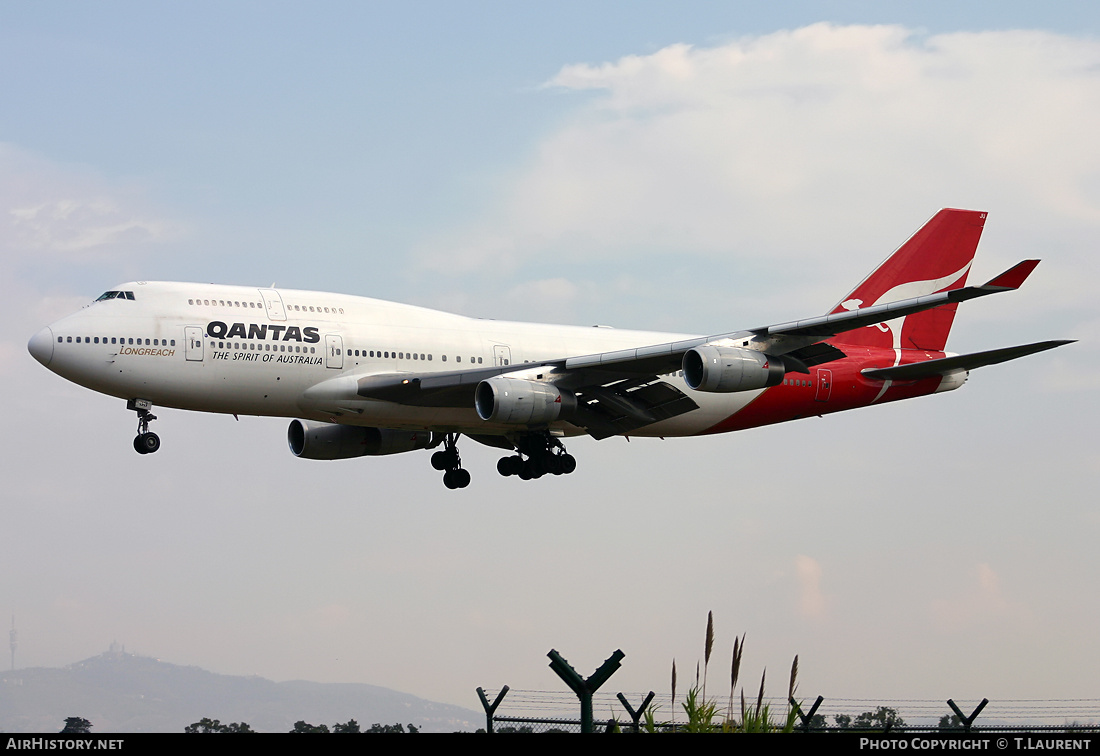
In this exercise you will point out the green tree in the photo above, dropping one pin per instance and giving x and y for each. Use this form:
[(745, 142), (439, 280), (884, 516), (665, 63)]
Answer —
[(843, 721), (390, 728), (880, 719), (238, 727), (77, 725), (303, 726), (950, 722), (350, 726), (206, 724)]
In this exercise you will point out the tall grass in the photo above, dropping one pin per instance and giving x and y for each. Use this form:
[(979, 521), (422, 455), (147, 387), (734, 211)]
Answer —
[(703, 714)]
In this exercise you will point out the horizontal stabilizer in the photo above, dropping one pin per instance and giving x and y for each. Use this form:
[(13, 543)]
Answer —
[(838, 322), (917, 370), (1014, 277)]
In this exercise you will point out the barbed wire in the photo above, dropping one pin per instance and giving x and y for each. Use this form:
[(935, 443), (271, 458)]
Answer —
[(1037, 710)]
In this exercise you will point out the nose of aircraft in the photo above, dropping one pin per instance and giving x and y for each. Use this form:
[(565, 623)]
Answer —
[(41, 346)]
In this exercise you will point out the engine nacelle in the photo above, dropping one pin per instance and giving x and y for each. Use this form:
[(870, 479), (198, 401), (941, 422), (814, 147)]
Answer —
[(726, 369), (310, 440), (520, 402)]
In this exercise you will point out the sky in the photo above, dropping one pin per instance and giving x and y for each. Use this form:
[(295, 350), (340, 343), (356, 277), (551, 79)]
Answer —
[(691, 167)]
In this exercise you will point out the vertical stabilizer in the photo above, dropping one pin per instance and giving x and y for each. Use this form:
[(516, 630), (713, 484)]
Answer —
[(936, 258)]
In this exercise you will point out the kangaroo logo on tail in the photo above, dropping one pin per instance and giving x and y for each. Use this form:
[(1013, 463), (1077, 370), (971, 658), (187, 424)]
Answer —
[(936, 258)]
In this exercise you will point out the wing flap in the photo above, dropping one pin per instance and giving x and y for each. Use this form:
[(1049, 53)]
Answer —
[(625, 406)]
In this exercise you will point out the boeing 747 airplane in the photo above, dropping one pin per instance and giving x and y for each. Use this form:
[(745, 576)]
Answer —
[(365, 377)]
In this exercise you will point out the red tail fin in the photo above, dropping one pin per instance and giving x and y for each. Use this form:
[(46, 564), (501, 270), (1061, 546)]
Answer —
[(936, 258)]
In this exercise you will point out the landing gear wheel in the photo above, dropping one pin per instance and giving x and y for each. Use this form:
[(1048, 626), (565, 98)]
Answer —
[(147, 443), (457, 478), (532, 469), (448, 460), (540, 453), (509, 465)]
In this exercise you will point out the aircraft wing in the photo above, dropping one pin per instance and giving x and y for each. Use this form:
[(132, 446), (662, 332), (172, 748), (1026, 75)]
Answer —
[(622, 390), (608, 403)]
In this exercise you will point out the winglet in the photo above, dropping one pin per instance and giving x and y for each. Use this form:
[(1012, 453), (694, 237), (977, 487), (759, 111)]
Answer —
[(1014, 277)]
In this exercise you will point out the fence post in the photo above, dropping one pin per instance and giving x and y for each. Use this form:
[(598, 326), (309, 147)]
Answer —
[(967, 721), (490, 709), (636, 716), (585, 688), (805, 718)]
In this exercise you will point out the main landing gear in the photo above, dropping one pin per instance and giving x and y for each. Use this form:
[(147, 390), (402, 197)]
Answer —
[(545, 454), (449, 461), (146, 441)]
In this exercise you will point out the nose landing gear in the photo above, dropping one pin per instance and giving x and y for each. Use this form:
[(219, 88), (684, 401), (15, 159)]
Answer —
[(146, 441), (449, 461)]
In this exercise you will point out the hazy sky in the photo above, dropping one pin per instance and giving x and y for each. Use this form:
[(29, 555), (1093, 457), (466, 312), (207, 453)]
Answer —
[(694, 167)]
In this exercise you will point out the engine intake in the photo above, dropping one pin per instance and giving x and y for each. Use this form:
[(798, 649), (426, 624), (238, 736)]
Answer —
[(727, 369), (310, 440), (519, 402)]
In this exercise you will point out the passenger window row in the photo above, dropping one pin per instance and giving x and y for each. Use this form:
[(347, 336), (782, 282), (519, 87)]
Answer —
[(388, 355), (262, 347), (225, 303), (115, 340), (258, 305)]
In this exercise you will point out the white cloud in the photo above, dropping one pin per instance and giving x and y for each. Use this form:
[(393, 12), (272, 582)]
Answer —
[(804, 143), (72, 225), (982, 603), (811, 599), (71, 213)]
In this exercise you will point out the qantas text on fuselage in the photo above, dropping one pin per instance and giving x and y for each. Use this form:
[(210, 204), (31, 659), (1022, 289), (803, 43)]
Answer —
[(364, 377)]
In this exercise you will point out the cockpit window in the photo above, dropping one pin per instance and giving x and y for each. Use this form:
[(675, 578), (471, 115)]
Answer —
[(115, 295)]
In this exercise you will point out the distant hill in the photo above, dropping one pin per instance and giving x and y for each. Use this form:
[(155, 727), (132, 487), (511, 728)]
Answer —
[(120, 692)]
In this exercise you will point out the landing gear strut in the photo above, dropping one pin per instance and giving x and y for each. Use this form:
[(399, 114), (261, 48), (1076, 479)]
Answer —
[(449, 461), (545, 454), (146, 441)]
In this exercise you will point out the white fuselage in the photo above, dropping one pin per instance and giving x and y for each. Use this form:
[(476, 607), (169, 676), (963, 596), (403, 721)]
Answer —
[(234, 349)]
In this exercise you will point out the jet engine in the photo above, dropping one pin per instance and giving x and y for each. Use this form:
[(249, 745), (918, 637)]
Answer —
[(520, 402), (310, 440), (726, 369)]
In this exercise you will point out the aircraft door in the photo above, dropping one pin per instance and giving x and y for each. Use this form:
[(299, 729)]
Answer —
[(193, 334), (273, 303), (824, 385), (502, 356), (334, 351)]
